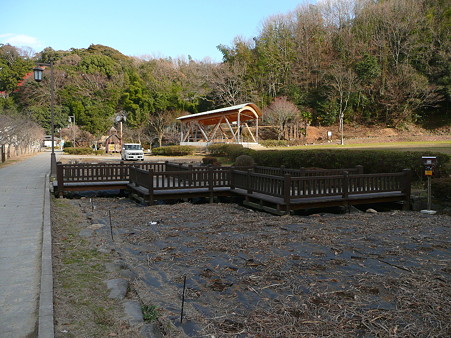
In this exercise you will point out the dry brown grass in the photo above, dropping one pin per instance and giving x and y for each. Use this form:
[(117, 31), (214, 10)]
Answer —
[(81, 304), (255, 274)]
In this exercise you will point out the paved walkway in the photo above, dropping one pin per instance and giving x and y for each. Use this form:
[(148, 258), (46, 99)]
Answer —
[(26, 308)]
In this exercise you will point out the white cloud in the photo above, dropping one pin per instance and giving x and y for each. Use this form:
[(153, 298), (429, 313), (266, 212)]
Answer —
[(20, 40)]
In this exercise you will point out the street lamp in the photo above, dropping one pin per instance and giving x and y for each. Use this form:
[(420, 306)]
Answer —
[(38, 72)]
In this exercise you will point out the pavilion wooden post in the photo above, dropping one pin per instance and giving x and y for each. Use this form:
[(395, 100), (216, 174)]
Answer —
[(239, 128)]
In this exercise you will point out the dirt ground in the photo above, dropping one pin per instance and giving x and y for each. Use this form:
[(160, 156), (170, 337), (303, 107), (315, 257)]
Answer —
[(252, 274), (361, 134)]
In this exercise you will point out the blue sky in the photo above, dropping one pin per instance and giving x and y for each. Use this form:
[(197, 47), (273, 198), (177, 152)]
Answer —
[(160, 28)]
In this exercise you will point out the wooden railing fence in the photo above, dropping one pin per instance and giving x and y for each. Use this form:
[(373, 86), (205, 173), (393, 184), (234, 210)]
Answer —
[(282, 171), (167, 180), (286, 186), (290, 188), (97, 172)]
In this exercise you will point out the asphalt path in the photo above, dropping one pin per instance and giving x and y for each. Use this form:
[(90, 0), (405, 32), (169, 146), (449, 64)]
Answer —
[(25, 249)]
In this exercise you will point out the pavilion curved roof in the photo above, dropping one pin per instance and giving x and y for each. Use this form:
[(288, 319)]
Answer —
[(245, 111)]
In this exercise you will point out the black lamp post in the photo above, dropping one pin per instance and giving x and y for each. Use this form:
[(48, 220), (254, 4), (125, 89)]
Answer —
[(38, 71)]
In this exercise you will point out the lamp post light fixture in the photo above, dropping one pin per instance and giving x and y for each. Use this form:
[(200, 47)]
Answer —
[(38, 72), (121, 118)]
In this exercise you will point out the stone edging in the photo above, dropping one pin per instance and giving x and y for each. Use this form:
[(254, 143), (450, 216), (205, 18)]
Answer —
[(46, 326)]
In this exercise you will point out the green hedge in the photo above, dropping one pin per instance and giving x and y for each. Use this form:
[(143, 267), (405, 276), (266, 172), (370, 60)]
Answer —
[(274, 143), (374, 161), (209, 160), (441, 188), (231, 151), (68, 144), (174, 151), (280, 143), (82, 151)]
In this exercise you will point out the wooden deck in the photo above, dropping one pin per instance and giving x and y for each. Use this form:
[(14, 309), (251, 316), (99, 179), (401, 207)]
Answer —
[(276, 190)]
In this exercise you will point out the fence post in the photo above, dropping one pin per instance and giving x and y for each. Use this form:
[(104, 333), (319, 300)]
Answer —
[(249, 181), (190, 175), (406, 187), (282, 169), (210, 182), (232, 178), (345, 185), (135, 173), (122, 171), (130, 175), (60, 178), (301, 171), (359, 169), (287, 190), (150, 186)]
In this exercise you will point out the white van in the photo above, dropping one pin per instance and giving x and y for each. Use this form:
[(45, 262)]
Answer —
[(132, 151)]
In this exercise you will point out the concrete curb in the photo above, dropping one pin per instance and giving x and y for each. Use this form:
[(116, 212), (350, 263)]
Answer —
[(46, 326)]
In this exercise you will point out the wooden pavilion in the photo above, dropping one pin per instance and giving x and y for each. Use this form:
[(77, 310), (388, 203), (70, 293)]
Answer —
[(236, 124)]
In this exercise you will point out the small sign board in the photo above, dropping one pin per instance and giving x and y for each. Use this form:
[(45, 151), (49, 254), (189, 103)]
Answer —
[(429, 163), (429, 160)]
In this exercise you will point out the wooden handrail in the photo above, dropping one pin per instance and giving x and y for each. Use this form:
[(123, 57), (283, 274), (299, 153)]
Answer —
[(94, 172)]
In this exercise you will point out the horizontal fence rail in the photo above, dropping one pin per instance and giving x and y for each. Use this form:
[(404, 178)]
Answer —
[(361, 184), (258, 183), (315, 186), (165, 180), (281, 171), (97, 172)]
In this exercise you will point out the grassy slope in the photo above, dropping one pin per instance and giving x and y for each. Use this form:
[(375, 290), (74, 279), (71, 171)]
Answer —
[(436, 146), (82, 306)]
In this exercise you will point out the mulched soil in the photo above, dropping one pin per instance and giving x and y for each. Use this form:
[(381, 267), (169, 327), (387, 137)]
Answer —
[(250, 273)]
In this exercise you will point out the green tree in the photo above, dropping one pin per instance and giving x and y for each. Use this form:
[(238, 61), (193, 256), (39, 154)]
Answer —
[(13, 68)]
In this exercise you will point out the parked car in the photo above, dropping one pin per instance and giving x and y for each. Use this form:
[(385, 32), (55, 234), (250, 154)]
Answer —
[(132, 151)]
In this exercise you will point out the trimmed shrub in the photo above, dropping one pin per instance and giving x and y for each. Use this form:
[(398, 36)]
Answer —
[(280, 143), (441, 188), (174, 151), (209, 160), (68, 144), (79, 151), (223, 149), (231, 151), (244, 161), (274, 143)]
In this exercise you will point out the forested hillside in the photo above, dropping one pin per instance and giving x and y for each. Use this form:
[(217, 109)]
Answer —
[(370, 62)]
